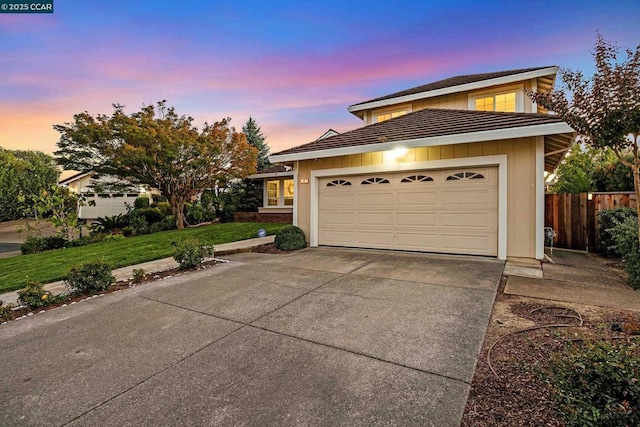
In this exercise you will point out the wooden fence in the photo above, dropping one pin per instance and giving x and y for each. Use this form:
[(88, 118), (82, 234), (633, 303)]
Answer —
[(574, 217)]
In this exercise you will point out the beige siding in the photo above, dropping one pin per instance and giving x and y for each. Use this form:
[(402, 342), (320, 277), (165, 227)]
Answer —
[(520, 183)]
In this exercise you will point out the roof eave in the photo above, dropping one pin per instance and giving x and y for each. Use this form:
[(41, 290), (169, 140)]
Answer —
[(355, 109), (270, 175), (460, 138)]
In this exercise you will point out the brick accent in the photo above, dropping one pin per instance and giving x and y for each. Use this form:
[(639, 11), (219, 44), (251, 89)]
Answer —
[(285, 218)]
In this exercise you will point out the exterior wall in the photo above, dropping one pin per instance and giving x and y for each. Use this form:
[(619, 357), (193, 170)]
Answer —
[(521, 182)]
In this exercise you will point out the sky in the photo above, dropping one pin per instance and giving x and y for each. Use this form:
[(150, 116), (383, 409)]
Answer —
[(293, 65)]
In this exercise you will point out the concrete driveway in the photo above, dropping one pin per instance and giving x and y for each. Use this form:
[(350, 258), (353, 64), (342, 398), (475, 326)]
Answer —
[(316, 337)]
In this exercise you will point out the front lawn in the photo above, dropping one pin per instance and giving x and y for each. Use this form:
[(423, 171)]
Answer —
[(50, 266)]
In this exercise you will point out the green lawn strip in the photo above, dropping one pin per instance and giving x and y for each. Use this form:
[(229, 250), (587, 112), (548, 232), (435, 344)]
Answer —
[(50, 266)]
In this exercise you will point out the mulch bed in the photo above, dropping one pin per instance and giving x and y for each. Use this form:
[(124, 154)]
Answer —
[(505, 389)]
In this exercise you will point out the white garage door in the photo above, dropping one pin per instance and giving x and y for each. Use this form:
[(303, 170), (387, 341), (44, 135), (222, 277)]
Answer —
[(448, 211)]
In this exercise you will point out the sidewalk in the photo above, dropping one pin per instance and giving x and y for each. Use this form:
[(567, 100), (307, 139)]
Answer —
[(575, 277), (154, 266)]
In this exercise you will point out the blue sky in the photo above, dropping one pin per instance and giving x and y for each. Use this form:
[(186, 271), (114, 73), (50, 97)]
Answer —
[(294, 66)]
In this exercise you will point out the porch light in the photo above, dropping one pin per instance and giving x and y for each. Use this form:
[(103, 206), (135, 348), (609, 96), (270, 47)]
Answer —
[(589, 196), (395, 154)]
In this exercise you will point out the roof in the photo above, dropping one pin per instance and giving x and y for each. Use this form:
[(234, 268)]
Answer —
[(455, 84), (73, 178), (429, 127), (273, 172)]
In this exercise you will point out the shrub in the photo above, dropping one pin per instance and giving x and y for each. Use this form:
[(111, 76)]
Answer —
[(625, 241), (138, 275), (113, 237), (290, 238), (138, 225), (110, 223), (141, 202), (5, 311), (151, 215), (607, 220), (33, 295), (194, 213), (90, 277), (597, 383), (190, 253), (164, 207), (168, 223), (38, 244)]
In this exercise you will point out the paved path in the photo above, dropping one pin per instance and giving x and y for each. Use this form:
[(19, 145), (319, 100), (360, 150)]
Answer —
[(316, 337), (576, 277)]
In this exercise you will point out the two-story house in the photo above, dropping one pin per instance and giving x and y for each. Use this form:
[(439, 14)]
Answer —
[(454, 166)]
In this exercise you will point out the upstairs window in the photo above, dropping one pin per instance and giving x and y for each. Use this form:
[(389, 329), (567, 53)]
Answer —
[(504, 102), (389, 115)]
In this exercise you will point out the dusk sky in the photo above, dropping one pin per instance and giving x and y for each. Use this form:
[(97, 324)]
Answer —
[(294, 66)]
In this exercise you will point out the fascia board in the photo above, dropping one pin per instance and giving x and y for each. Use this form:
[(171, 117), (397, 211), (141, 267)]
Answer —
[(453, 89), (460, 138)]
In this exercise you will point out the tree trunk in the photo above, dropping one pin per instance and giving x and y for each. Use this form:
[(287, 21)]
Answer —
[(177, 207)]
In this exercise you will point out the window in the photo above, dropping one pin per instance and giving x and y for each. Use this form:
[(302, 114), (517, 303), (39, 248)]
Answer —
[(465, 176), (375, 181), (416, 178), (390, 115), (505, 102), (338, 183), (279, 192)]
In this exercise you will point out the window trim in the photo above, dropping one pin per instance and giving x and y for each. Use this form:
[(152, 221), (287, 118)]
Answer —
[(407, 108), (518, 89)]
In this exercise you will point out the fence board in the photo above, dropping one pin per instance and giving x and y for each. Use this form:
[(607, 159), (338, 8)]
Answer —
[(574, 217)]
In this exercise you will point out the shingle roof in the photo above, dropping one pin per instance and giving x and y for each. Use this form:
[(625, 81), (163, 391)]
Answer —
[(425, 124), (453, 81)]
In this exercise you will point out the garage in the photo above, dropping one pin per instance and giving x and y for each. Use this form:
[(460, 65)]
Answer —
[(448, 211)]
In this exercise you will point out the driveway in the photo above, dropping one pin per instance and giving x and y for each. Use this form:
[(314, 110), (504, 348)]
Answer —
[(316, 337)]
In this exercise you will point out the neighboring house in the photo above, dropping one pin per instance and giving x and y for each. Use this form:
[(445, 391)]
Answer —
[(455, 166), (97, 204)]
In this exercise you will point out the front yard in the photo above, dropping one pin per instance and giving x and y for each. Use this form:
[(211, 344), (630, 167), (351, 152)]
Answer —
[(50, 266)]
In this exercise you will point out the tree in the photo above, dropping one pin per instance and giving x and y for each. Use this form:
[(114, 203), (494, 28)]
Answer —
[(603, 109), (158, 148), (587, 169), (256, 139), (23, 175)]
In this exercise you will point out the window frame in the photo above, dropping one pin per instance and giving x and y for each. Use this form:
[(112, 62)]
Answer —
[(407, 108), (517, 89), (280, 195)]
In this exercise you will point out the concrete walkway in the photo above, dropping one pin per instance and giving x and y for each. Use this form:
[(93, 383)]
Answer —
[(575, 277), (158, 265)]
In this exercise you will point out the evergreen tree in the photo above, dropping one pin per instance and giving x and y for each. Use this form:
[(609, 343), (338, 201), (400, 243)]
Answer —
[(256, 139)]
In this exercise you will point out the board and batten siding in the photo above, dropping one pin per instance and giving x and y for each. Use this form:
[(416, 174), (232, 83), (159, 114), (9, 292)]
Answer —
[(521, 183)]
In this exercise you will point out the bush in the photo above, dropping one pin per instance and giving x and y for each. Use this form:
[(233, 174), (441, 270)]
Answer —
[(138, 225), (34, 244), (164, 208), (138, 275), (5, 311), (597, 383), (110, 224), (141, 202), (607, 220), (151, 215), (168, 223), (90, 277), (113, 237), (625, 241), (33, 295), (190, 253), (194, 213), (290, 238)]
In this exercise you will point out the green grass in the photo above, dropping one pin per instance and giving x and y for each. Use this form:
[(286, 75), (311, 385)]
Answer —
[(50, 266)]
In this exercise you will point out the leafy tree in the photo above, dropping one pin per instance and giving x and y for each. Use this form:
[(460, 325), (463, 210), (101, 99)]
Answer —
[(587, 169), (603, 109), (60, 206), (157, 147), (23, 174), (256, 139)]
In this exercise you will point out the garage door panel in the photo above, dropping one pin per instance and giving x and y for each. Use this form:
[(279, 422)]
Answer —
[(416, 198), (436, 215), (421, 219), (375, 199), (375, 219), (338, 218)]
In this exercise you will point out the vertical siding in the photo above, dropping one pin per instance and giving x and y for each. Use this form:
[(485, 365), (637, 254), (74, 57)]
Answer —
[(520, 179)]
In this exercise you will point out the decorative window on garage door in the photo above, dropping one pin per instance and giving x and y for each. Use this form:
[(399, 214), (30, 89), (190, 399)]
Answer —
[(375, 180), (338, 183), (416, 178), (465, 176)]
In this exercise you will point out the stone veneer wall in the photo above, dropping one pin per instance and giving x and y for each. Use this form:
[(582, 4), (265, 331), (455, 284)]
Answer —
[(285, 218)]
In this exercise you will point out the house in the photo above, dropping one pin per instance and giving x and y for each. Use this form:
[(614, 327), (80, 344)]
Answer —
[(454, 166), (99, 202)]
